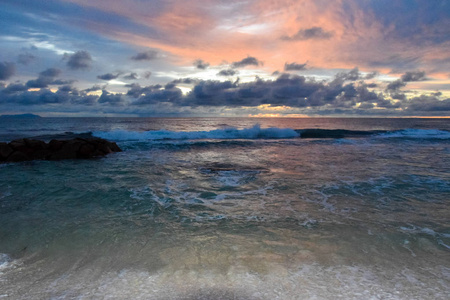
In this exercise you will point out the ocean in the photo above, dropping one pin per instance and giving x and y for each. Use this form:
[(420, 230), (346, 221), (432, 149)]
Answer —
[(230, 208)]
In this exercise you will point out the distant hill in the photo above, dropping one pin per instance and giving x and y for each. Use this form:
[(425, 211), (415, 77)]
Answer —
[(22, 116)]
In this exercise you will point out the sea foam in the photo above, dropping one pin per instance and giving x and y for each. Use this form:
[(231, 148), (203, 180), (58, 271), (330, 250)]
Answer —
[(255, 132), (418, 134)]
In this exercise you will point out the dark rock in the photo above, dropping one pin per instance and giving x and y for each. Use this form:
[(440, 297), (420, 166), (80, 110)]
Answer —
[(17, 156), (68, 150), (86, 151), (36, 144), (5, 151), (55, 145), (18, 145), (30, 149)]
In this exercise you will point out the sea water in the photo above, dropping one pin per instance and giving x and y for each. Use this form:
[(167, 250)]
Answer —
[(221, 208)]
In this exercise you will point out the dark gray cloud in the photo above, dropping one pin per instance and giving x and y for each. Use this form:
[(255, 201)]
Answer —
[(68, 89), (414, 76), (63, 96), (41, 97), (147, 74), (7, 69), (95, 88), (227, 72), (62, 81), (313, 33), (108, 76), (287, 90), (131, 76), (398, 96), (111, 98), (294, 66), (148, 55), (26, 58), (337, 96), (51, 72), (137, 91), (395, 85), (351, 75), (14, 88), (200, 64), (45, 78), (186, 80), (169, 94), (371, 75), (80, 60), (425, 103), (248, 61)]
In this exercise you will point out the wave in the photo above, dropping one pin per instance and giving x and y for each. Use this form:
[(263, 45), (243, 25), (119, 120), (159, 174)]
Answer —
[(417, 134), (255, 132), (404, 133), (335, 133)]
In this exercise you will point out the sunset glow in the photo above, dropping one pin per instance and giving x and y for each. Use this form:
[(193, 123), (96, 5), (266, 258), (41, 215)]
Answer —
[(316, 57)]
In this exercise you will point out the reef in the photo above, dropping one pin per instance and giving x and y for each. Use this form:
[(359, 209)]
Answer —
[(76, 148)]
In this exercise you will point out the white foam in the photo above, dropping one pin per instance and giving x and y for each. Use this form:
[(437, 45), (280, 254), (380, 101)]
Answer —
[(417, 134), (255, 132), (310, 281), (424, 230), (5, 261)]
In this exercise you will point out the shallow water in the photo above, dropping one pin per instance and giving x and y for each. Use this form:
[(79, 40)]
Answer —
[(245, 217)]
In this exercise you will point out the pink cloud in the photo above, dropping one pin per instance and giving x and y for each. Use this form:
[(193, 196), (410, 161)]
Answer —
[(327, 34)]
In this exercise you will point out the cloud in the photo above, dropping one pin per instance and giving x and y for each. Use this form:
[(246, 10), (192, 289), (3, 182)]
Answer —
[(148, 55), (62, 81), (395, 85), (41, 97), (414, 76), (108, 76), (51, 72), (110, 98), (155, 96), (297, 92), (200, 64), (137, 91), (425, 103), (26, 58), (131, 76), (351, 75), (14, 88), (80, 60), (147, 74), (45, 78), (248, 61), (186, 81), (371, 75), (313, 33), (95, 88), (404, 79), (294, 67), (7, 70), (227, 72)]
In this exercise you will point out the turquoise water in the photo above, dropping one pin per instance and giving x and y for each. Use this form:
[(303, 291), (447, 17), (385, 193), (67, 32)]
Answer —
[(192, 209)]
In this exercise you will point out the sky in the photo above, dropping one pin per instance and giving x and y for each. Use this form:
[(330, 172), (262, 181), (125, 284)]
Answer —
[(168, 58)]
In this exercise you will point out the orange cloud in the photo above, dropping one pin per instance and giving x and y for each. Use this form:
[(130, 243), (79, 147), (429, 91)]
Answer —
[(326, 34)]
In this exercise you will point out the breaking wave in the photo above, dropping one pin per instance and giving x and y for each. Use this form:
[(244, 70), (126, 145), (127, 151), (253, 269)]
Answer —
[(418, 134), (255, 132)]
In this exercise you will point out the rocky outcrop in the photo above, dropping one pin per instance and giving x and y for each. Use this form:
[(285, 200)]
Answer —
[(77, 148)]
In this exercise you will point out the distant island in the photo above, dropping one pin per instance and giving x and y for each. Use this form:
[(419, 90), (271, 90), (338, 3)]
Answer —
[(21, 116)]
